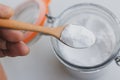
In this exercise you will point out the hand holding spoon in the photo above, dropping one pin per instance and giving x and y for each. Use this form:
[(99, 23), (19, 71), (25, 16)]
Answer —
[(72, 35)]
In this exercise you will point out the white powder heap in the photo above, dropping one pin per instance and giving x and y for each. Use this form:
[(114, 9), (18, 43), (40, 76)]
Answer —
[(94, 55), (77, 36)]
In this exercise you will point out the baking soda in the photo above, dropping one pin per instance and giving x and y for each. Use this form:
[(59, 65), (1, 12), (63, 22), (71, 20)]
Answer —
[(95, 54), (77, 36)]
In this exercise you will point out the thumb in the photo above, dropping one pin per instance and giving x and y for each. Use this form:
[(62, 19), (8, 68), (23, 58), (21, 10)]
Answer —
[(5, 11)]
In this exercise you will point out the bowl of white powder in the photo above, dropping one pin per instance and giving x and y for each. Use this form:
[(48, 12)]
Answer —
[(103, 24)]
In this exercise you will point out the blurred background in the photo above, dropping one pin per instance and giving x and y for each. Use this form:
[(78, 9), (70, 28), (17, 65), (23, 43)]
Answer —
[(41, 63)]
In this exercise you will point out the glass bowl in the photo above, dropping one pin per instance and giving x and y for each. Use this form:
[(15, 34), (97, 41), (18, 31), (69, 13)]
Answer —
[(103, 23)]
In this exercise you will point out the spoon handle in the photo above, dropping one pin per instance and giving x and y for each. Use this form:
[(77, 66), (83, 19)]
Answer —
[(13, 24)]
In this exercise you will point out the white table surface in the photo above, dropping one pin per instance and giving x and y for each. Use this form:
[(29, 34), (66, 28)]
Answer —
[(41, 63)]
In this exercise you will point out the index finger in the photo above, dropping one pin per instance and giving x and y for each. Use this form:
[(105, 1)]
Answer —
[(11, 35)]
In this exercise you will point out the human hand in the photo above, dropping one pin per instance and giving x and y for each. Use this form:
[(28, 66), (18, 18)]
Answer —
[(11, 43)]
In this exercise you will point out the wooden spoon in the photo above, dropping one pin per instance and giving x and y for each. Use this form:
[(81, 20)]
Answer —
[(56, 32), (12, 24)]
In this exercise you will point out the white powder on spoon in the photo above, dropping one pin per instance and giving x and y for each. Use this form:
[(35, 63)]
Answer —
[(77, 36), (97, 53)]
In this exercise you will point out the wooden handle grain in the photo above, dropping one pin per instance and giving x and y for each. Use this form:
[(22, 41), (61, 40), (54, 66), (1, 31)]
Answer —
[(12, 24), (17, 25)]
